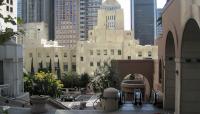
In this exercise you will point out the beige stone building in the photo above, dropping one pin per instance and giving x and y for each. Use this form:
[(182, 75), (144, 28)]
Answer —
[(108, 41), (37, 47)]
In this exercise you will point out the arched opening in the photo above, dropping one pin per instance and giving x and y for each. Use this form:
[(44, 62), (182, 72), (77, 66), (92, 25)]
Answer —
[(132, 82), (169, 74), (190, 69)]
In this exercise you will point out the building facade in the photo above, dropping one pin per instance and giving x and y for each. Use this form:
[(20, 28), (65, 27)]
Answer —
[(108, 41), (38, 11), (179, 56), (19, 8), (159, 29), (88, 16), (143, 20), (67, 19), (39, 50), (10, 8)]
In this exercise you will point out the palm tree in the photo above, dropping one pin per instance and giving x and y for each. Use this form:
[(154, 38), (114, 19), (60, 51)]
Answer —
[(41, 65)]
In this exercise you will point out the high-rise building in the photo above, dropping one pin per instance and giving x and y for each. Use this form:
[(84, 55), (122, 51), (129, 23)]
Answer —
[(19, 8), (67, 21), (158, 26), (143, 20), (109, 41), (38, 11), (9, 8), (88, 16)]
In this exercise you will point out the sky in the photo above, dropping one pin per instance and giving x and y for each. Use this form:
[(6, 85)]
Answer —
[(125, 3)]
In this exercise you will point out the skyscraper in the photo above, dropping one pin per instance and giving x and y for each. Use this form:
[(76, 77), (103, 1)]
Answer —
[(38, 11), (67, 19), (158, 26), (19, 8), (88, 16), (143, 20), (9, 8)]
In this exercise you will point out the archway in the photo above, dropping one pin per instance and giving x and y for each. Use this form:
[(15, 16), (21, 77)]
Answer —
[(169, 74), (132, 82), (190, 69)]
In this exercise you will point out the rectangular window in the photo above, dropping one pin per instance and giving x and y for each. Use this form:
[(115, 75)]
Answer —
[(39, 55), (74, 68), (112, 51), (11, 2), (7, 1), (129, 57), (98, 52), (65, 54), (7, 8), (81, 58), (55, 64), (47, 55), (65, 67), (105, 52), (91, 52), (11, 9), (91, 64), (98, 64), (149, 54), (140, 54), (119, 52), (47, 64), (30, 55)]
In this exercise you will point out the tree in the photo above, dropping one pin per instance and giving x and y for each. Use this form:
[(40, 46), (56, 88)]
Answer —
[(71, 80), (41, 69), (58, 70), (41, 65), (84, 80), (104, 77), (32, 67), (28, 83), (43, 84), (50, 69)]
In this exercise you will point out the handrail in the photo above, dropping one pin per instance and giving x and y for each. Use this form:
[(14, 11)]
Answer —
[(58, 104), (4, 86), (26, 102), (15, 101), (95, 102)]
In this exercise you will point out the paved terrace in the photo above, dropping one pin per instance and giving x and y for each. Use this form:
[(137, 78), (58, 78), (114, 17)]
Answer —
[(125, 109)]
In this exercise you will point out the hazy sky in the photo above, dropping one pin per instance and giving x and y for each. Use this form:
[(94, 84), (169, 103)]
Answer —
[(126, 6)]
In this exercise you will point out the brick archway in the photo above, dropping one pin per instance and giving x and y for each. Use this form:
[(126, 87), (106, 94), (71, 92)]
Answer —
[(190, 69), (169, 73)]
